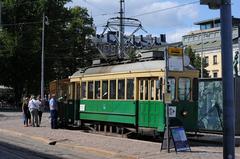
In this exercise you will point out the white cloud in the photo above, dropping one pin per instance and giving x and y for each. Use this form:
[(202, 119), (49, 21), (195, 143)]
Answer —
[(167, 18), (176, 35), (156, 23)]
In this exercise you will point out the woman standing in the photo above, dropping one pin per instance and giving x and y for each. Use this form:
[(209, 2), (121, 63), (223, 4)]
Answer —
[(25, 110)]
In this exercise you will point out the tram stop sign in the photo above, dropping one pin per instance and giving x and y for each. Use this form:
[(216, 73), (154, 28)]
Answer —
[(167, 98)]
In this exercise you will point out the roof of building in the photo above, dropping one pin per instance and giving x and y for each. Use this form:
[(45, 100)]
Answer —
[(216, 20)]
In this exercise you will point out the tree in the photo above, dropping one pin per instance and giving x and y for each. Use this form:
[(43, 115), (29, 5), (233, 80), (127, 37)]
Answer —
[(195, 61), (20, 41)]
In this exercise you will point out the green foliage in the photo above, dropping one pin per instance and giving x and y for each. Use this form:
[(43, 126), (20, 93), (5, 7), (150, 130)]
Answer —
[(66, 47), (195, 61), (132, 54)]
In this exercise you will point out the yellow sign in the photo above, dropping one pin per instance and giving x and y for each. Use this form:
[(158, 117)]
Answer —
[(175, 51), (167, 98)]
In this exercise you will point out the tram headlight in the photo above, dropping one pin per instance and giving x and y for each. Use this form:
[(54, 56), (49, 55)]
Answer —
[(184, 113)]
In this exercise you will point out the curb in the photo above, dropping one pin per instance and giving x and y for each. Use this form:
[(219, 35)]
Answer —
[(96, 151)]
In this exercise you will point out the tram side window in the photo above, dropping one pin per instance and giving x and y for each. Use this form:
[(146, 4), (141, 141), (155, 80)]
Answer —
[(104, 89), (184, 88), (172, 83), (152, 90), (146, 89), (141, 89), (130, 89), (78, 91), (159, 89), (97, 89), (121, 89), (90, 90), (113, 89), (83, 90)]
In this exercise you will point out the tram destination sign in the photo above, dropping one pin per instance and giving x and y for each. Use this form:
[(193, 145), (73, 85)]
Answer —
[(175, 59)]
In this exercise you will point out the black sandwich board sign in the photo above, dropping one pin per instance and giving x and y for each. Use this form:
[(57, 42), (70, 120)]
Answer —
[(177, 139)]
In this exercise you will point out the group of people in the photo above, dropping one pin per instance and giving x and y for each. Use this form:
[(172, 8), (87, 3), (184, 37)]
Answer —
[(33, 109)]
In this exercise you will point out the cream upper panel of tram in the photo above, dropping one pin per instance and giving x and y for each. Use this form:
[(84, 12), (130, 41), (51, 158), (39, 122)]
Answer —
[(128, 67)]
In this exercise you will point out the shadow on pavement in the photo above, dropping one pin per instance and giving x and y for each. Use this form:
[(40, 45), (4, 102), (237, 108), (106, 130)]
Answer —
[(8, 151)]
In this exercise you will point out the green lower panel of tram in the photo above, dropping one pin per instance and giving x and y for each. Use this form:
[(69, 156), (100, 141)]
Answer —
[(187, 113), (147, 114), (152, 114), (108, 111)]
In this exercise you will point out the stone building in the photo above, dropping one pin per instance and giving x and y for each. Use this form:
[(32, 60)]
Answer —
[(207, 43)]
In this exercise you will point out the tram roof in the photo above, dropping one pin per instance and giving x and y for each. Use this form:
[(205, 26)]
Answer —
[(127, 67)]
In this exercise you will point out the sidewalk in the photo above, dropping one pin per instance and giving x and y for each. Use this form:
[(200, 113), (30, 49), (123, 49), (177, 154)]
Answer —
[(112, 147)]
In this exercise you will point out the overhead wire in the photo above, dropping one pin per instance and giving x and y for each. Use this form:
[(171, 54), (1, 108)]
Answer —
[(160, 10), (101, 25)]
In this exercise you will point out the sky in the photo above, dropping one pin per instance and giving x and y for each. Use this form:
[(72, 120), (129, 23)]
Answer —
[(173, 22)]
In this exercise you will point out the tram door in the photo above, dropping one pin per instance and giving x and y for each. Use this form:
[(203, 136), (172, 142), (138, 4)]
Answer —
[(148, 102)]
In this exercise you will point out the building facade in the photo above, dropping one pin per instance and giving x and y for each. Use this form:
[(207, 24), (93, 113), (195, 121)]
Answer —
[(207, 43)]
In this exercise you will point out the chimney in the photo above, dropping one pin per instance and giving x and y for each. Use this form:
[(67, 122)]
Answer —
[(163, 38)]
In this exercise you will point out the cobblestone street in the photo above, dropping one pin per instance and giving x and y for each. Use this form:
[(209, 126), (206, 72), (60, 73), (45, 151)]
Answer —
[(105, 146)]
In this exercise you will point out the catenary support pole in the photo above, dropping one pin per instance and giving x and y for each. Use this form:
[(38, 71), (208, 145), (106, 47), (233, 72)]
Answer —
[(238, 48), (42, 59), (166, 104), (121, 31), (227, 76)]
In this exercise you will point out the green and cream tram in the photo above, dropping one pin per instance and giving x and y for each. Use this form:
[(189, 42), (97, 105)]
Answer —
[(131, 95)]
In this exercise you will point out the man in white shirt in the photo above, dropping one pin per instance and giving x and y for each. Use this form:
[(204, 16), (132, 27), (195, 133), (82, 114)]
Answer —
[(33, 108), (40, 109)]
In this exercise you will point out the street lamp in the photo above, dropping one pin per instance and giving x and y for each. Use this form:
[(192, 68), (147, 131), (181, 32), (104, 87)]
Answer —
[(44, 22)]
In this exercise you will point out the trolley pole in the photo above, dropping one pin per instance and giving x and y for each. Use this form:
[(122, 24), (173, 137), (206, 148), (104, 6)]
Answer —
[(227, 76), (166, 104)]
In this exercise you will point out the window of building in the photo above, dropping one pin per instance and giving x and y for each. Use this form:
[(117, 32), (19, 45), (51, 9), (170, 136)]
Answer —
[(113, 89), (215, 59), (130, 89), (104, 89), (206, 60), (83, 90), (121, 89), (184, 89), (215, 74), (217, 25), (90, 90)]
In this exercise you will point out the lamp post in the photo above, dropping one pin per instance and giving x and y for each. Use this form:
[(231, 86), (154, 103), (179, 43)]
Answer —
[(227, 75), (201, 53), (42, 58)]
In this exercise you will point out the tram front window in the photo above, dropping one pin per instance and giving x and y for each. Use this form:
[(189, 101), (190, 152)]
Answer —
[(172, 83), (184, 89)]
